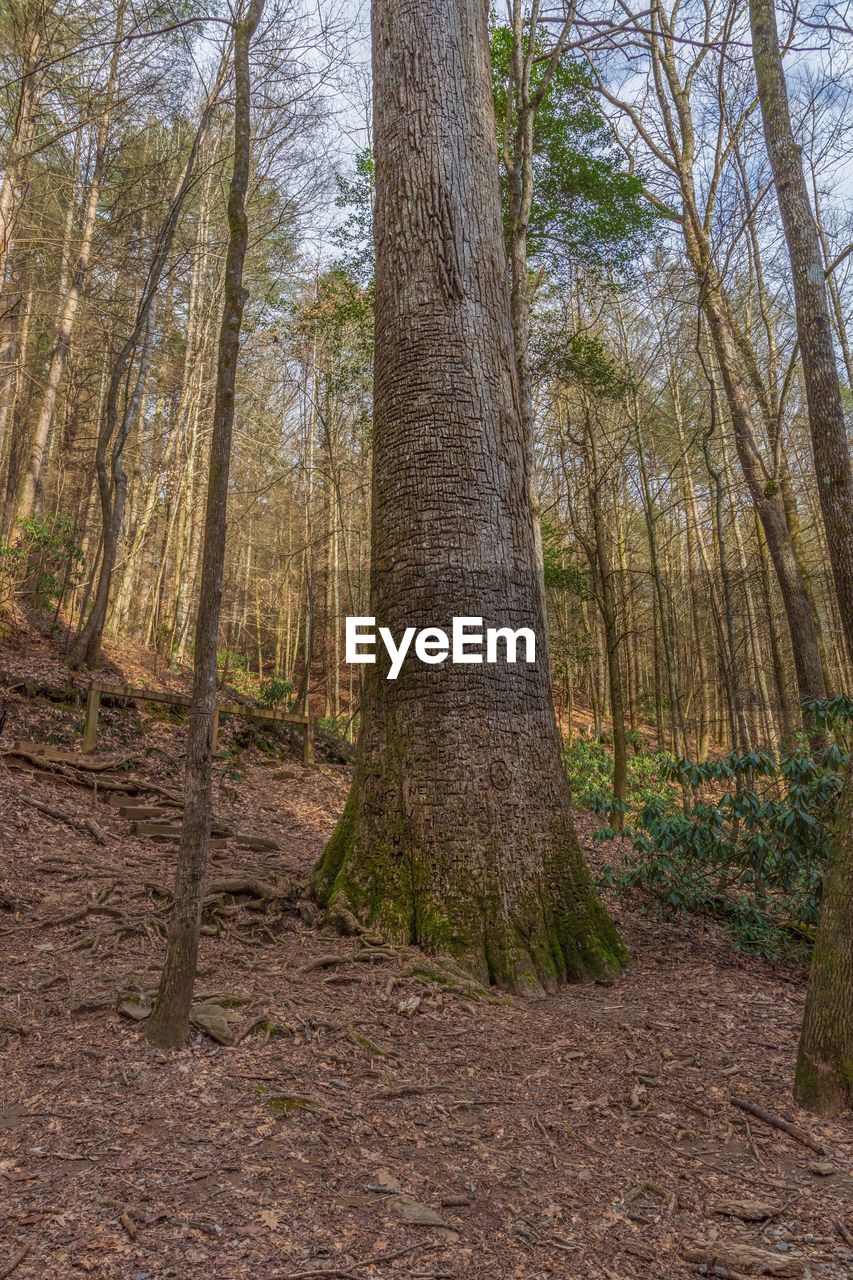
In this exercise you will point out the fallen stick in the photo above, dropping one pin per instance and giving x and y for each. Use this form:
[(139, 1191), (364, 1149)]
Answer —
[(345, 1273), (407, 1090), (85, 826), (14, 1261), (846, 1235), (338, 1273), (322, 962), (799, 1135), (40, 755)]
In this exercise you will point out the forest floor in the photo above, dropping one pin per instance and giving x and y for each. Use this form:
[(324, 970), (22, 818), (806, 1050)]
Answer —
[(369, 1124)]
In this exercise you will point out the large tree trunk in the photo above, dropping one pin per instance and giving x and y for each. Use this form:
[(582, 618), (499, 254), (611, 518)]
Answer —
[(824, 1078), (457, 835), (169, 1022), (833, 471)]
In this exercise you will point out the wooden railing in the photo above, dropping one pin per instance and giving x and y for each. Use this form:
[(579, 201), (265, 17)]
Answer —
[(98, 688)]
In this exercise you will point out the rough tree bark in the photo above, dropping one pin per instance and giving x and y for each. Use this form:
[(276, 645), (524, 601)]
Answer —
[(457, 835), (168, 1024), (824, 1076), (833, 471)]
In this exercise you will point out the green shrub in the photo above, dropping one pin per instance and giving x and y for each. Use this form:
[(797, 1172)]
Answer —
[(744, 837), (274, 693), (589, 767), (49, 557)]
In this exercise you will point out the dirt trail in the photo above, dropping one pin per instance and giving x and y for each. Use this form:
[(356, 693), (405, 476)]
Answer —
[(372, 1124)]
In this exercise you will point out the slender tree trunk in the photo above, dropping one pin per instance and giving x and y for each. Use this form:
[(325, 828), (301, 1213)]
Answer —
[(838, 315), (112, 487), (833, 471), (600, 562), (112, 480), (824, 1075), (457, 834), (168, 1024), (69, 308), (614, 675), (768, 501), (751, 616), (13, 186), (523, 102), (763, 484), (308, 538), (788, 713), (739, 730), (13, 409), (679, 737), (690, 520)]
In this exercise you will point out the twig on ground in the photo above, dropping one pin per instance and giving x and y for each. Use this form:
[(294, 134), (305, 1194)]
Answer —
[(799, 1135), (14, 1261), (846, 1236), (86, 826), (341, 1273)]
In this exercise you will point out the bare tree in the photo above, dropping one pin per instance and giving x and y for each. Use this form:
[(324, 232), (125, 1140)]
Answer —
[(118, 419), (833, 471), (167, 1027)]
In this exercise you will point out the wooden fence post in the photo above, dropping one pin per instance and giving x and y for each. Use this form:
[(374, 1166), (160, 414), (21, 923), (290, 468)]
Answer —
[(90, 724), (214, 737), (308, 754)]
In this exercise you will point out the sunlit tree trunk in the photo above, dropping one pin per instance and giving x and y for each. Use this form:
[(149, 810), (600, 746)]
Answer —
[(117, 421), (833, 471), (457, 834), (70, 303), (600, 560)]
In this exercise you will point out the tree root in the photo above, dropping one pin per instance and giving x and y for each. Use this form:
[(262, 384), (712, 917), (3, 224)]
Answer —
[(86, 826)]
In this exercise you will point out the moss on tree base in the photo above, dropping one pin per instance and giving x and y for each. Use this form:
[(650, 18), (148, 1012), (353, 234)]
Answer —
[(526, 941), (824, 1077)]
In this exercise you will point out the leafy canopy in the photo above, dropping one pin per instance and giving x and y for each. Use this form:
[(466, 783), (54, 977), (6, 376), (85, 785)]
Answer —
[(586, 207)]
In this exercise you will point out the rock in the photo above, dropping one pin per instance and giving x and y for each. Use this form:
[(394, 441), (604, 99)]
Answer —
[(215, 1021), (746, 1210), (307, 912), (412, 1211), (385, 1179), (638, 1097), (821, 1169), (744, 1258), (136, 1005)]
